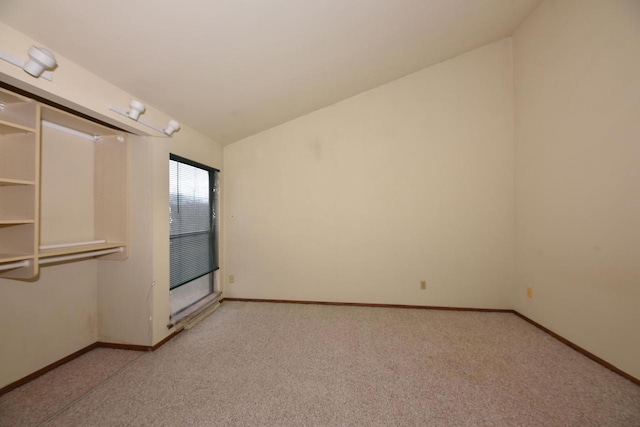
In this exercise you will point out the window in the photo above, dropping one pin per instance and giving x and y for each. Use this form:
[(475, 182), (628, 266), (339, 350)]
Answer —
[(193, 209)]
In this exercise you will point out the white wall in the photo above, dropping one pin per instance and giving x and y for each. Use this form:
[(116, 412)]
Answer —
[(124, 287), (577, 105), (46, 320), (360, 201), (72, 305)]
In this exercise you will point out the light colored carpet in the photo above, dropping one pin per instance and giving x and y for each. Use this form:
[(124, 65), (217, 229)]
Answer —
[(47, 395), (287, 364)]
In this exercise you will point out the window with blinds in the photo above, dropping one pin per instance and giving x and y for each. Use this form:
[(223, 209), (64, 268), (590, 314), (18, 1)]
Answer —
[(193, 207)]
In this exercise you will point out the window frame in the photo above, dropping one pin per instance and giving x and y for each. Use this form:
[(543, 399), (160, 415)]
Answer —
[(214, 198)]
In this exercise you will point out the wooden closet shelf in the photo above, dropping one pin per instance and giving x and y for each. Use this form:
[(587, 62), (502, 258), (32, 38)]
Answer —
[(44, 253), (16, 221), (47, 177), (11, 181), (8, 128), (14, 257)]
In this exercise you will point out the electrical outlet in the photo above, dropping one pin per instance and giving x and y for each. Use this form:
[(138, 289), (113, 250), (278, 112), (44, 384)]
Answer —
[(232, 279), (529, 292), (423, 284)]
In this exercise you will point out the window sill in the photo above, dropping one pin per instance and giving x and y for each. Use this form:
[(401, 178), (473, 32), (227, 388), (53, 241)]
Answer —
[(193, 311)]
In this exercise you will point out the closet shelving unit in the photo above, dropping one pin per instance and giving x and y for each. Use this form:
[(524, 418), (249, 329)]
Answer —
[(19, 184), (40, 205)]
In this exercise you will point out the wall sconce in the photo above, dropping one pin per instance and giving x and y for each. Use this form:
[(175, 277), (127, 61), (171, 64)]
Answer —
[(136, 108), (40, 59)]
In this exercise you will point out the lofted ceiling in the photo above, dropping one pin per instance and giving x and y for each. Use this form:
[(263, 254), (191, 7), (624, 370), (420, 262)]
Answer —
[(233, 68)]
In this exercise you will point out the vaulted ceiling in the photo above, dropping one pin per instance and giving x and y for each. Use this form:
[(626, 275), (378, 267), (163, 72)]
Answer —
[(232, 68)]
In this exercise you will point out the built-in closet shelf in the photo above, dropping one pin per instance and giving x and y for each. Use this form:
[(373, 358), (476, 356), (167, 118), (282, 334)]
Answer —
[(19, 185), (7, 128), (14, 257), (44, 253), (62, 178), (18, 112), (10, 181), (16, 221)]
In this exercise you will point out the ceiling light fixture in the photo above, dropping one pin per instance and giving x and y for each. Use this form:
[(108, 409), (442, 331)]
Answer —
[(40, 59), (172, 127), (136, 108)]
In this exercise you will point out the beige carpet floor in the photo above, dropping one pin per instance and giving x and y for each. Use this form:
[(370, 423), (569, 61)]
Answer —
[(288, 364)]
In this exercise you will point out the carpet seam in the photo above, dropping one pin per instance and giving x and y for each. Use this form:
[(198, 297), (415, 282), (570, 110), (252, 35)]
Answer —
[(83, 395)]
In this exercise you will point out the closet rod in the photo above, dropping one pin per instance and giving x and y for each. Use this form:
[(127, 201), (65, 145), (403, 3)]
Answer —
[(71, 131), (79, 256), (66, 245), (12, 265)]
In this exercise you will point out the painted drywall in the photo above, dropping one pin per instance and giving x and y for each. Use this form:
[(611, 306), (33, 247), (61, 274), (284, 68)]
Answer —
[(578, 176), (46, 320), (360, 201), (124, 287), (68, 215), (75, 304)]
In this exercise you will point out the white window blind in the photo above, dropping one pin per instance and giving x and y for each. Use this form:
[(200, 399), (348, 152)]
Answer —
[(193, 207)]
